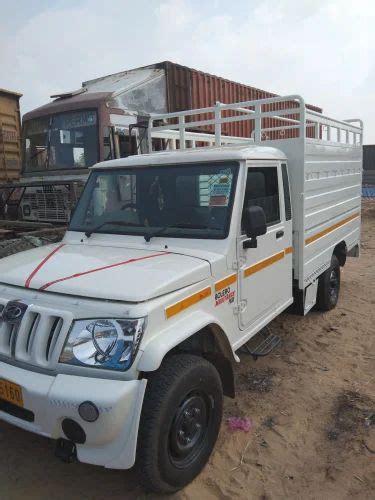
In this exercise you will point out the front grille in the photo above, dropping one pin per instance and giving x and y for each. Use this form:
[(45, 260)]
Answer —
[(16, 411), (46, 205), (32, 340)]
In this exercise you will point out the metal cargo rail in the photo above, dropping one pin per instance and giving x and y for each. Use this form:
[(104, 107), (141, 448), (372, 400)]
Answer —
[(288, 113), (321, 152)]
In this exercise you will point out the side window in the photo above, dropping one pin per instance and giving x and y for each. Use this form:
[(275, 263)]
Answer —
[(288, 207), (262, 190)]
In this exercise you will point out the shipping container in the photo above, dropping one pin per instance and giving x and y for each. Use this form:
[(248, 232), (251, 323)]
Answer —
[(107, 118), (10, 135), (167, 87), (91, 124), (369, 157), (369, 165), (188, 88)]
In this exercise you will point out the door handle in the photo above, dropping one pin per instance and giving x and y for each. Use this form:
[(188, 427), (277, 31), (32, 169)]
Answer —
[(279, 234)]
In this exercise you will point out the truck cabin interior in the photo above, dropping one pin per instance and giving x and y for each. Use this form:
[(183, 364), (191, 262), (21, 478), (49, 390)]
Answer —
[(193, 200)]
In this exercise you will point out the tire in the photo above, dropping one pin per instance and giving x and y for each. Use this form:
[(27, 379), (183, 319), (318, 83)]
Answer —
[(329, 287), (183, 402)]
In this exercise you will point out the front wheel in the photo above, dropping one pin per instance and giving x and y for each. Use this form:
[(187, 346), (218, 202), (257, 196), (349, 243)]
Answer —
[(180, 421), (329, 287)]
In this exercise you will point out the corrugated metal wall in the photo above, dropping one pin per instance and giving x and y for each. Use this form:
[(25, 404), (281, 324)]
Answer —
[(369, 165), (369, 157), (188, 89), (10, 136)]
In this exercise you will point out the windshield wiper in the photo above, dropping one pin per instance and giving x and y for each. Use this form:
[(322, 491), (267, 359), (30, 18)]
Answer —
[(151, 234), (89, 232), (182, 225)]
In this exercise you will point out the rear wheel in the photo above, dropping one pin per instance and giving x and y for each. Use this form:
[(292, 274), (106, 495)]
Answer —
[(180, 421), (329, 287)]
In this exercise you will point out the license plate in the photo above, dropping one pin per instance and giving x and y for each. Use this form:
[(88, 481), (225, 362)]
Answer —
[(11, 392)]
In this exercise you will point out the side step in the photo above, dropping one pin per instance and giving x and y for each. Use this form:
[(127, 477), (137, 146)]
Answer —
[(258, 347)]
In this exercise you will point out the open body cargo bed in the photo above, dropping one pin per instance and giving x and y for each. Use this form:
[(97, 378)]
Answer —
[(324, 164)]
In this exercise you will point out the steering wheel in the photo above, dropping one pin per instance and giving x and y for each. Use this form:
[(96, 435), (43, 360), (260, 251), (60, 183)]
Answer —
[(129, 205)]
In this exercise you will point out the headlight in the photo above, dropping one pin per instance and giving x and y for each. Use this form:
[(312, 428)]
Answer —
[(103, 343)]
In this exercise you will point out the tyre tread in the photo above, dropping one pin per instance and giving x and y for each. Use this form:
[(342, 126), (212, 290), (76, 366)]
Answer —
[(322, 301), (159, 384)]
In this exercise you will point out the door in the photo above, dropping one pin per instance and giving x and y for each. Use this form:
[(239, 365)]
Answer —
[(265, 274)]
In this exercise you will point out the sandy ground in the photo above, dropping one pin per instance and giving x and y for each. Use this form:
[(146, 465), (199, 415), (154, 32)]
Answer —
[(312, 405)]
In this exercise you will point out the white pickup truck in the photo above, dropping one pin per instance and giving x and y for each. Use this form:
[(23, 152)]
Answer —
[(119, 341)]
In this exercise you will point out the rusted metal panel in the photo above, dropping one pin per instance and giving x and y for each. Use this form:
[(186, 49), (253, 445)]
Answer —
[(82, 101), (10, 135), (188, 88)]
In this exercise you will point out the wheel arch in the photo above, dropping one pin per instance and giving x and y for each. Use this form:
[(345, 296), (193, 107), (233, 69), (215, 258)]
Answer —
[(341, 251), (209, 340), (212, 343)]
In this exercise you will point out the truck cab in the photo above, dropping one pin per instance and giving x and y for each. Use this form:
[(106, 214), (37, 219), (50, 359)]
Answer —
[(119, 342), (61, 140)]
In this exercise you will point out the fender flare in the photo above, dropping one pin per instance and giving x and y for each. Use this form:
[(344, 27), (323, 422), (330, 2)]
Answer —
[(155, 350)]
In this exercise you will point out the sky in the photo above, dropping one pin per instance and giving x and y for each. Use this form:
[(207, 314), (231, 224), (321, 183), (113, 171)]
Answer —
[(323, 50)]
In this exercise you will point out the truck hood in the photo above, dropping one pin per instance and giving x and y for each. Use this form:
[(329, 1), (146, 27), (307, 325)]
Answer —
[(125, 274)]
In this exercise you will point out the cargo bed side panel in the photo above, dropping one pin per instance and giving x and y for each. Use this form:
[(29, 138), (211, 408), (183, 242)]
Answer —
[(332, 201)]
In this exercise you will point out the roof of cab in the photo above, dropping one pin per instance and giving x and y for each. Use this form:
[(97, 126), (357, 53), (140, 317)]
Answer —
[(222, 153)]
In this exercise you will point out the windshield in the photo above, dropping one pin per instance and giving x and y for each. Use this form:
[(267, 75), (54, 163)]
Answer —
[(182, 201), (61, 141)]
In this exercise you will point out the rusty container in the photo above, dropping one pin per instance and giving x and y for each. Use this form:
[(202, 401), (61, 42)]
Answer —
[(10, 135), (369, 165), (188, 88)]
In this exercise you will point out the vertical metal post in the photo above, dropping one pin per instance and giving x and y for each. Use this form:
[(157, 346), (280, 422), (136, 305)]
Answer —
[(299, 178), (317, 130), (257, 123), (181, 127), (218, 124), (137, 141), (116, 141), (302, 121), (149, 135)]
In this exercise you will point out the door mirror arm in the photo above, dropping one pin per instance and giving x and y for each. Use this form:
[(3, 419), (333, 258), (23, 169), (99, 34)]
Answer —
[(250, 243), (254, 223)]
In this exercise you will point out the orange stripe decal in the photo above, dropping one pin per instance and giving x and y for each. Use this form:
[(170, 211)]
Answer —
[(229, 280), (188, 302), (263, 264), (288, 250), (316, 236)]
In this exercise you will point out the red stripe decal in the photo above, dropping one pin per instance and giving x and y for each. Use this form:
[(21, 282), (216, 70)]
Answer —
[(77, 275), (39, 266)]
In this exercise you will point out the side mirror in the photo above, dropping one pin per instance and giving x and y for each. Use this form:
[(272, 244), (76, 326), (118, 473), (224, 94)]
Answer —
[(254, 222)]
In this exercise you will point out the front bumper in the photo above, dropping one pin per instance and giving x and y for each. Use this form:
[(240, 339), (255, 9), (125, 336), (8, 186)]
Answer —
[(111, 441)]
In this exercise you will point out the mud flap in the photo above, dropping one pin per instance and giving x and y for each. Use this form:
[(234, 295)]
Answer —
[(310, 296)]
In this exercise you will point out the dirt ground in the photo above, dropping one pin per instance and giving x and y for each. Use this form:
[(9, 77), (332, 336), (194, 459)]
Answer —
[(311, 403)]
